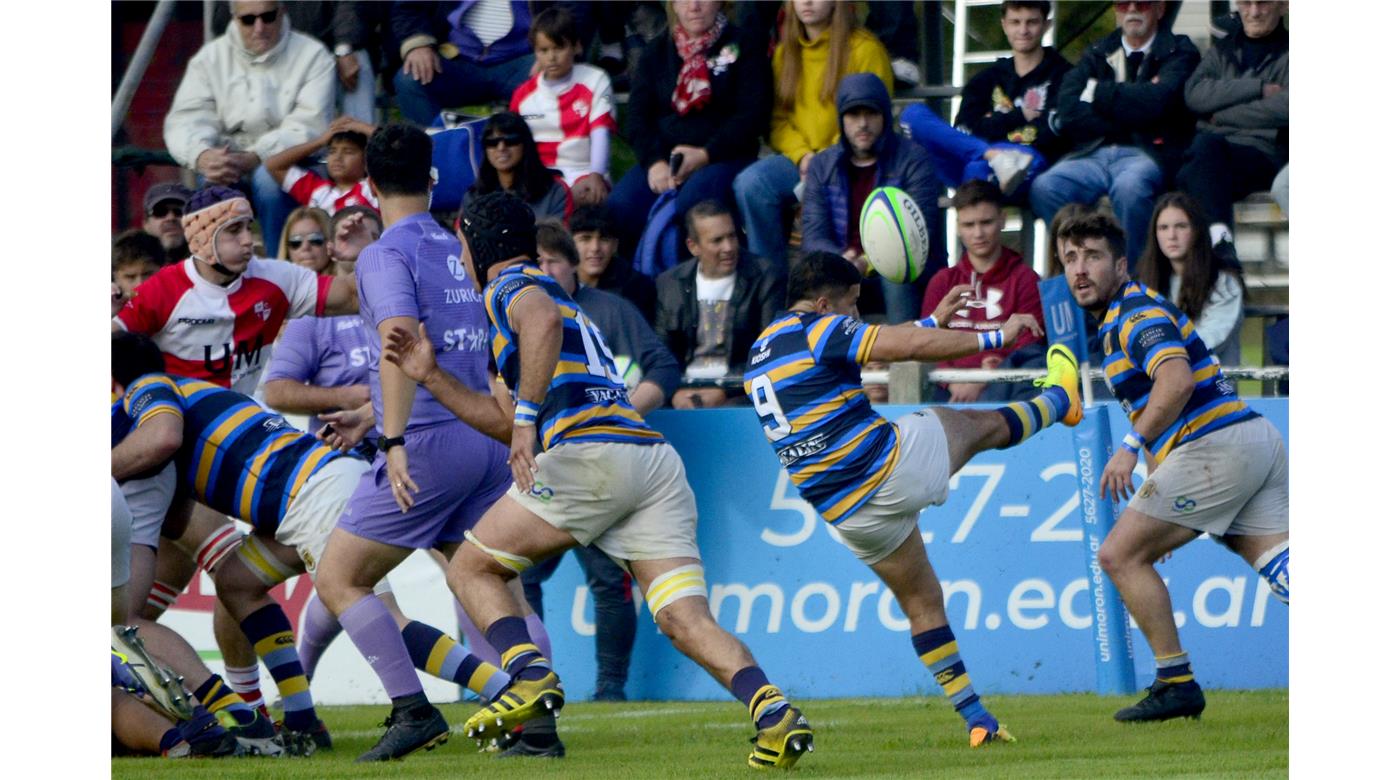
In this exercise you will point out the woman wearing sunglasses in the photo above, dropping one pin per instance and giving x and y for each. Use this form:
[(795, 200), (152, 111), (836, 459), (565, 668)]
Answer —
[(514, 164), (305, 238)]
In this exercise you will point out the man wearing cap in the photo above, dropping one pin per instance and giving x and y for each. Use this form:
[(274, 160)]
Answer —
[(215, 314), (164, 207), (433, 476)]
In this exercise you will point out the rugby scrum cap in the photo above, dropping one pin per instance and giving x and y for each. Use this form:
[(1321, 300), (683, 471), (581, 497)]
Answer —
[(498, 226), (209, 211)]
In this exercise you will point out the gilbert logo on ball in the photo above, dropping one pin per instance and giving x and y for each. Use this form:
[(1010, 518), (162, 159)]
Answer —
[(894, 234)]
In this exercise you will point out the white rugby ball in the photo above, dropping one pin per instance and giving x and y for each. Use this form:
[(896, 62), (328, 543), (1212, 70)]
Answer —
[(895, 234)]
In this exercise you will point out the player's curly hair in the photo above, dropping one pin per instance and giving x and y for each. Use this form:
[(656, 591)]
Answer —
[(498, 226)]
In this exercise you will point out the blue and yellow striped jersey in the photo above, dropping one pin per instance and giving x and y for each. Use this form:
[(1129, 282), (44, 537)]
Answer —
[(586, 400), (803, 378), (1140, 330), (236, 457)]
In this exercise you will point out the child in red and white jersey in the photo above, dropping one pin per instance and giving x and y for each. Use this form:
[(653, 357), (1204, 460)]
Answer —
[(568, 107), (345, 142)]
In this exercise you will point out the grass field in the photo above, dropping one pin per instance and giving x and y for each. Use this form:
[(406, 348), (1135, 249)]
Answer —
[(1242, 734)]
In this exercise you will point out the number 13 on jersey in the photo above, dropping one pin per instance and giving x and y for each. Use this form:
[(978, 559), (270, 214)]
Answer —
[(765, 402)]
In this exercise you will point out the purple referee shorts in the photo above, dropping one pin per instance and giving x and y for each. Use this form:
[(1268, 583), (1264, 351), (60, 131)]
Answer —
[(460, 473)]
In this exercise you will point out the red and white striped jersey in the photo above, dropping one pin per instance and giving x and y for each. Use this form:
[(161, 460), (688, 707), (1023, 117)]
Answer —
[(561, 116), (308, 189), (219, 334)]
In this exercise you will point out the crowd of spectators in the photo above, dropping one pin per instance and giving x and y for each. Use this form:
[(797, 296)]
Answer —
[(757, 130)]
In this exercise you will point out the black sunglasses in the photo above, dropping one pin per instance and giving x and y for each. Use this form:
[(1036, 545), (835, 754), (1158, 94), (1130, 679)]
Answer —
[(161, 211), (510, 139), (267, 17), (315, 239)]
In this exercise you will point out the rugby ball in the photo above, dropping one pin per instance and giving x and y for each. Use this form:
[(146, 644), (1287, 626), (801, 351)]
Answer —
[(630, 372), (894, 234)]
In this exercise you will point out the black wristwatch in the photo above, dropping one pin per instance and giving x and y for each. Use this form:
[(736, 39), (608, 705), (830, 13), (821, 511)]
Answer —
[(387, 443)]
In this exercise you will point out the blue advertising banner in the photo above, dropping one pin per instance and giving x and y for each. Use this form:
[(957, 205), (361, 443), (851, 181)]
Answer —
[(1007, 546), (1064, 320)]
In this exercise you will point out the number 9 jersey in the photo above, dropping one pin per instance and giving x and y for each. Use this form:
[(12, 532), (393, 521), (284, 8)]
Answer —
[(587, 400), (803, 378)]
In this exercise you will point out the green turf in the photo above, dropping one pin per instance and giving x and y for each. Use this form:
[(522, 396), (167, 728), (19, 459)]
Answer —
[(1243, 734)]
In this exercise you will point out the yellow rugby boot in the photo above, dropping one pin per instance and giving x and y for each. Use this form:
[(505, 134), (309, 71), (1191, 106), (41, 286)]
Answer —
[(979, 736), (522, 700), (1062, 371), (781, 744)]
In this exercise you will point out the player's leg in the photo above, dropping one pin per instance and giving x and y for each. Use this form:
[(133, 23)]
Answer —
[(121, 556), (242, 582), (910, 577), (972, 431), (506, 541), (443, 657), (660, 534), (318, 629), (1127, 556), (210, 539), (1259, 533)]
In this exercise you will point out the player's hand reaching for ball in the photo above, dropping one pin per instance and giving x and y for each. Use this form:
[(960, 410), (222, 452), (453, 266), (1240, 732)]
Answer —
[(1017, 323), (1117, 478), (412, 354), (522, 456)]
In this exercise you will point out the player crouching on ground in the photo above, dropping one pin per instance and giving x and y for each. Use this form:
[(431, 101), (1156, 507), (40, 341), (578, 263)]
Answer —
[(869, 478), (602, 477), (1214, 465)]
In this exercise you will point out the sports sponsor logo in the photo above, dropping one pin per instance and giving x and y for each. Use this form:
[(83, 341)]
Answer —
[(460, 295), (455, 267), (543, 493), (1184, 505), (850, 326), (196, 320), (759, 357), (604, 395), (275, 424), (803, 449)]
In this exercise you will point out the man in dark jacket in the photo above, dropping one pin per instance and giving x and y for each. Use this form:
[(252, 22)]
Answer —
[(694, 147), (1240, 93), (1122, 109), (870, 154), (1002, 130), (711, 308)]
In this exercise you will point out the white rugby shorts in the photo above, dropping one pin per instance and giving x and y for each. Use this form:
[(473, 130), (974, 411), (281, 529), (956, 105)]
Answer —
[(149, 500), (1233, 481), (312, 515), (630, 500), (121, 538), (919, 479)]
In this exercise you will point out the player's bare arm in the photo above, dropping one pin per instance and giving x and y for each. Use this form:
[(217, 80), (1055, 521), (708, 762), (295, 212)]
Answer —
[(343, 297), (154, 442), (397, 391), (413, 354), (1172, 384), (536, 320), (292, 397), (346, 428), (908, 342)]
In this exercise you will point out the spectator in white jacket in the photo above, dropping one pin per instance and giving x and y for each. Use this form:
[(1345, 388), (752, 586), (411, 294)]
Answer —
[(256, 90)]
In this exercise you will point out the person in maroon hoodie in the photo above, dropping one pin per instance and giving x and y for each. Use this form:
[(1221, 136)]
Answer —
[(988, 284)]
